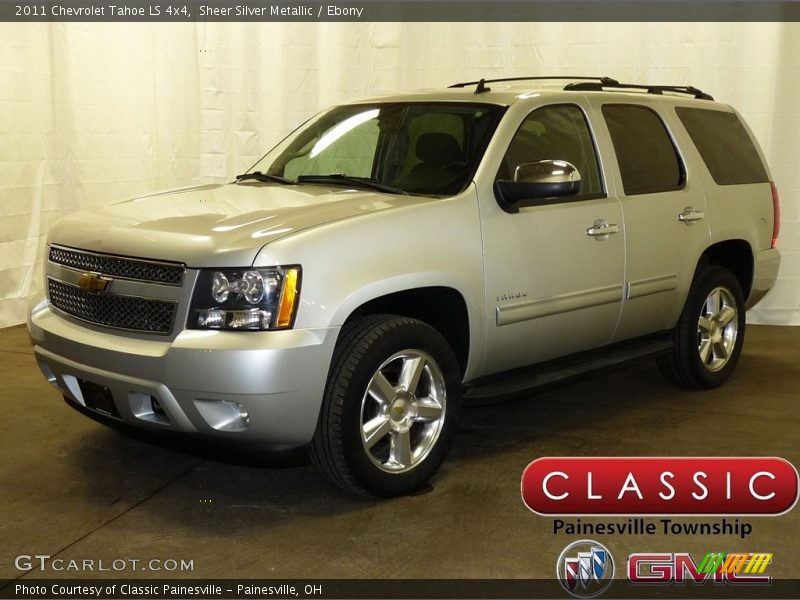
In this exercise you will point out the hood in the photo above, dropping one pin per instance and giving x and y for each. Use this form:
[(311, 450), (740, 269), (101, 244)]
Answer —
[(215, 225)]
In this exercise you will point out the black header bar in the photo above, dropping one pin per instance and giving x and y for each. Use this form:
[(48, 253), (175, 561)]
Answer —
[(389, 589)]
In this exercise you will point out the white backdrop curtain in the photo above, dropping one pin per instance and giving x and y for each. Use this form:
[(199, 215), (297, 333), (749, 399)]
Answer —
[(94, 113)]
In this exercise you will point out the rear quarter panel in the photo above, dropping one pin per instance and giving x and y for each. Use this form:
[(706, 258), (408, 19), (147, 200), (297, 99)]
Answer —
[(735, 212)]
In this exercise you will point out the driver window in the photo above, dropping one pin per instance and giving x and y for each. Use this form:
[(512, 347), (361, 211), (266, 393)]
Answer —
[(555, 133)]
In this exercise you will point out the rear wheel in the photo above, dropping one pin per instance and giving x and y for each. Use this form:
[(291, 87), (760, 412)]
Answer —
[(710, 333), (390, 405)]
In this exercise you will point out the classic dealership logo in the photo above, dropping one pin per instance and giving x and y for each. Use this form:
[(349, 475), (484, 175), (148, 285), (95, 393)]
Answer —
[(585, 569), (94, 283), (664, 568), (660, 486)]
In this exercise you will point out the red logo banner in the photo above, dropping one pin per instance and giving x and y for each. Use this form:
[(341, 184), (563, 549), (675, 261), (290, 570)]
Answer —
[(660, 486)]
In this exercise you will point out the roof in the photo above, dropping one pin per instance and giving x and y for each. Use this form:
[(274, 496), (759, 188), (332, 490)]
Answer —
[(506, 91)]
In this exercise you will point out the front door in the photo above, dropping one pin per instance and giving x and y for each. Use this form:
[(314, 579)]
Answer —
[(554, 271)]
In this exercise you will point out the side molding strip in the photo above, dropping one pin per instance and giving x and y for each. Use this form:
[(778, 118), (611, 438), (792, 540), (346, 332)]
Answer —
[(652, 285), (533, 309)]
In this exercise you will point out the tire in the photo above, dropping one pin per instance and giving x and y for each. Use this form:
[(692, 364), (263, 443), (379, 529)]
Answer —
[(389, 409), (709, 336)]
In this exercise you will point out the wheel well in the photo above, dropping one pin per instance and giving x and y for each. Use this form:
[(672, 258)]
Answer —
[(734, 255), (442, 308)]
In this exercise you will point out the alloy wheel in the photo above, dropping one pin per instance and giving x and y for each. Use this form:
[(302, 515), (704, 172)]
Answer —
[(403, 411), (717, 329)]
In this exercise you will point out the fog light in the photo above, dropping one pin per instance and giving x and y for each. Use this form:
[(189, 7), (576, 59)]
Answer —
[(223, 415)]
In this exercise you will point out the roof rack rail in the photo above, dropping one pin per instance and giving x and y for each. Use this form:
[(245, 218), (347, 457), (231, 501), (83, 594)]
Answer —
[(480, 82), (651, 89), (591, 84)]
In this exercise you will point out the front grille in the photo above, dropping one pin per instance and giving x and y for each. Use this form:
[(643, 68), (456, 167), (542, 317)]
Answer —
[(124, 312), (128, 268)]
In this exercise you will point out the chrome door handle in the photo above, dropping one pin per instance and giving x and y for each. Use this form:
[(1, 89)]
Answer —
[(690, 215), (602, 229)]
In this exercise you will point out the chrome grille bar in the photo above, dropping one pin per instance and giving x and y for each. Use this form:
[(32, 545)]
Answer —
[(151, 271), (113, 310)]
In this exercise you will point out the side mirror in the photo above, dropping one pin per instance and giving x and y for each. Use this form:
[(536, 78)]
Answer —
[(537, 181)]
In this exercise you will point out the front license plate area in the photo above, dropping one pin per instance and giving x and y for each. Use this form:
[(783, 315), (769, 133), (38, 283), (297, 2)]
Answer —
[(98, 397)]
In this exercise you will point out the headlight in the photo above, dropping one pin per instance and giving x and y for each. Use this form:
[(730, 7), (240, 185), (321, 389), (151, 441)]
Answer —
[(245, 299)]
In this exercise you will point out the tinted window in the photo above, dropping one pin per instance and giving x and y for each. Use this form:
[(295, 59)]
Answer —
[(648, 161), (555, 133), (724, 145)]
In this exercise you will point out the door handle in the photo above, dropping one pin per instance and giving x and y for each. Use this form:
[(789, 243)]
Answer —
[(690, 215), (602, 229)]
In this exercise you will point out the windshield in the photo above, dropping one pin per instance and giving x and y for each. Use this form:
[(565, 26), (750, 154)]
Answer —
[(416, 148)]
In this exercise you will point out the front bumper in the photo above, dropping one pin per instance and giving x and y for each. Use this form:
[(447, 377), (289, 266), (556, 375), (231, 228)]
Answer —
[(261, 387)]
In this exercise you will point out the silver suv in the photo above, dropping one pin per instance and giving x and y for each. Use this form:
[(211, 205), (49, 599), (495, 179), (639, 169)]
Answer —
[(395, 256)]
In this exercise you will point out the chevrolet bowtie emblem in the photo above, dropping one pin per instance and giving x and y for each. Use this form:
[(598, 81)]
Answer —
[(94, 283)]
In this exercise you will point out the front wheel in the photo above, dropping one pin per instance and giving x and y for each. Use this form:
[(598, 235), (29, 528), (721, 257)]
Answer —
[(388, 415), (709, 336)]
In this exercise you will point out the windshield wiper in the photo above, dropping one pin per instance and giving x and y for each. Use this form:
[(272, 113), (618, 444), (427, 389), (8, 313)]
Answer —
[(349, 179), (259, 176)]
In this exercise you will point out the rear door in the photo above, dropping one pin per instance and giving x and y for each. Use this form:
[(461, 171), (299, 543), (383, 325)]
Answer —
[(664, 210)]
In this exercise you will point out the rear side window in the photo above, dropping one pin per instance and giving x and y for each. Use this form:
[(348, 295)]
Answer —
[(648, 161), (724, 145)]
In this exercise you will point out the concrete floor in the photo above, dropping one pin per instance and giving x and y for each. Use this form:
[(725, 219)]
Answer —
[(72, 488)]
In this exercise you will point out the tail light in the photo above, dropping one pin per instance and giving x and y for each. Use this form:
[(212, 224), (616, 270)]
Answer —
[(776, 210)]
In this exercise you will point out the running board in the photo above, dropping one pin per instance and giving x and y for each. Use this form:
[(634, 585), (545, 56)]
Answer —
[(528, 378)]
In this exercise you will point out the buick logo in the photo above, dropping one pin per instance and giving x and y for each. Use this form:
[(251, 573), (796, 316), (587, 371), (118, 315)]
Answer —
[(94, 283), (585, 569)]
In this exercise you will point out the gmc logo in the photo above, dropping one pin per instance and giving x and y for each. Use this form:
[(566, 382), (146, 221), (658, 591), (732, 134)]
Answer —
[(663, 568)]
